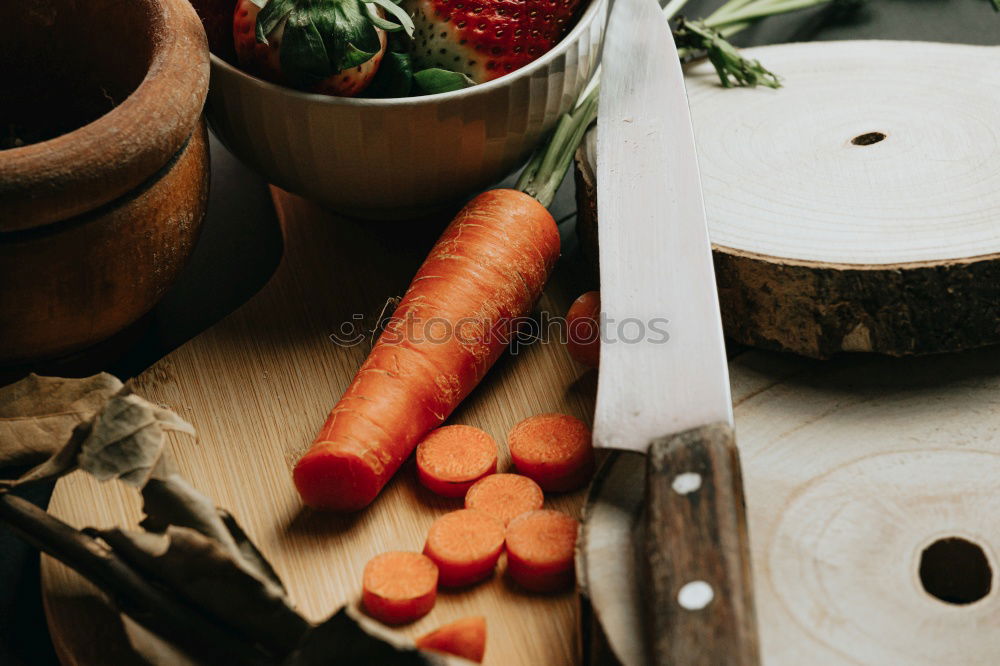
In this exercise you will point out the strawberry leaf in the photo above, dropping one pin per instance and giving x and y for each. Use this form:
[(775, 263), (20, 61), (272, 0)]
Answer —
[(353, 57), (321, 37), (348, 33), (394, 77), (435, 80), (380, 22), (271, 15), (304, 58), (398, 13)]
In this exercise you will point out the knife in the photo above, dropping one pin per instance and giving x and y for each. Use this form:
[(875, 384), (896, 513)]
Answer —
[(663, 386)]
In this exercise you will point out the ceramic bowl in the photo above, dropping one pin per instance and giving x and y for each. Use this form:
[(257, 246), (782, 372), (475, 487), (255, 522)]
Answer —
[(395, 158)]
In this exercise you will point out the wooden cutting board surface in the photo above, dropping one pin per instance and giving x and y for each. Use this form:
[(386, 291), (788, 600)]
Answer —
[(257, 387), (852, 469)]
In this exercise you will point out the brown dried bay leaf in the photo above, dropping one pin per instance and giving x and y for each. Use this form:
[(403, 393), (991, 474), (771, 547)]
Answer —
[(202, 573), (169, 499), (38, 414), (126, 439), (150, 649)]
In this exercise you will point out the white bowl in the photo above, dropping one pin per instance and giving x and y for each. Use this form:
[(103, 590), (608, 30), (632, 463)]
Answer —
[(397, 157)]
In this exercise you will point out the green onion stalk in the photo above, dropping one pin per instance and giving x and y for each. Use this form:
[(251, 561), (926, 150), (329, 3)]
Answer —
[(709, 37)]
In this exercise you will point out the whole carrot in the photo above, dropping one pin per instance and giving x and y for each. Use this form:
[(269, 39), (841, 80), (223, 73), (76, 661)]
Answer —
[(486, 271)]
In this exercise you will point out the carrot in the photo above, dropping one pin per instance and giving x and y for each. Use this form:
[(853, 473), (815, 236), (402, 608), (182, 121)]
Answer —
[(464, 638), (540, 550), (399, 587), (505, 496), (553, 449), (583, 329), (486, 270), (465, 545), (452, 458)]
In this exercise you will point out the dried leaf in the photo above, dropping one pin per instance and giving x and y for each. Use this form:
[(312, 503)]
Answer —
[(126, 439), (168, 499), (151, 649), (200, 571), (348, 637), (61, 462), (38, 414)]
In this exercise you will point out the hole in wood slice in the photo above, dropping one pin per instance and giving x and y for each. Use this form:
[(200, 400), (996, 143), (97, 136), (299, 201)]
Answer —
[(955, 571), (868, 138)]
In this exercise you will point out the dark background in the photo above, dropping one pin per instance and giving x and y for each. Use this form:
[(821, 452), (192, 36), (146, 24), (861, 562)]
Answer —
[(240, 246)]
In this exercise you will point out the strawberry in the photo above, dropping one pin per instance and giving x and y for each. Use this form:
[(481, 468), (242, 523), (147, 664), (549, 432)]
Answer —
[(332, 47), (485, 39)]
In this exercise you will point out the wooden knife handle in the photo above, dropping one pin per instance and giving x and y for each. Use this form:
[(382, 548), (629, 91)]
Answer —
[(694, 553)]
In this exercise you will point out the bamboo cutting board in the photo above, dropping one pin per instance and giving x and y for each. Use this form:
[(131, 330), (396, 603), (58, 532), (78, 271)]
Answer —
[(257, 387)]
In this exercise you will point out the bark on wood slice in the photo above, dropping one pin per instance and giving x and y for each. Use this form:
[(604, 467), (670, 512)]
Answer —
[(856, 208), (873, 512)]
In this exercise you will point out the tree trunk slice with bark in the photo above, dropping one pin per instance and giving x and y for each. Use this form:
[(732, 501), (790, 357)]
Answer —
[(872, 508), (855, 209)]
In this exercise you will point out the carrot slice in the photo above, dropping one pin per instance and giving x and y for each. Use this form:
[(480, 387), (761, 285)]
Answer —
[(553, 449), (583, 339), (399, 586), (505, 496), (465, 545), (464, 638), (540, 550), (452, 458)]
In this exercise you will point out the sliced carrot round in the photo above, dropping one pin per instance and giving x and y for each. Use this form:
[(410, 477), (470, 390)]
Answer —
[(399, 587), (553, 449), (540, 548), (452, 458), (465, 545), (505, 496), (464, 638), (583, 329)]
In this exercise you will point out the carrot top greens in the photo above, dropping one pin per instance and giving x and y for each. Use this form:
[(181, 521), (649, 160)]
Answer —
[(705, 37)]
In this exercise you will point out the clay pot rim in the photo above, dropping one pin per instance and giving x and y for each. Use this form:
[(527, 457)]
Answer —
[(49, 181)]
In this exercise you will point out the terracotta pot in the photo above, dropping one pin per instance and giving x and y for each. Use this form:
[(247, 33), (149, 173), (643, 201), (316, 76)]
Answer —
[(101, 205)]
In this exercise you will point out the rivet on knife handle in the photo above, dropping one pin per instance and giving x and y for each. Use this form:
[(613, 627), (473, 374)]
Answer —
[(694, 554)]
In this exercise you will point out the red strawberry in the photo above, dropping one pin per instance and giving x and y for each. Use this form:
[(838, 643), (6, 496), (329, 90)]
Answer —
[(278, 43), (485, 39)]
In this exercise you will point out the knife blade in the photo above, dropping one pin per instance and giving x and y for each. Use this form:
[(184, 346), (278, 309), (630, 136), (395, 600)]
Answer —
[(663, 385)]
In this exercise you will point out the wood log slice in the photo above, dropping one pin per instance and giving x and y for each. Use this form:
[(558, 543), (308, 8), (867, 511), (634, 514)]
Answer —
[(856, 208), (872, 507)]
